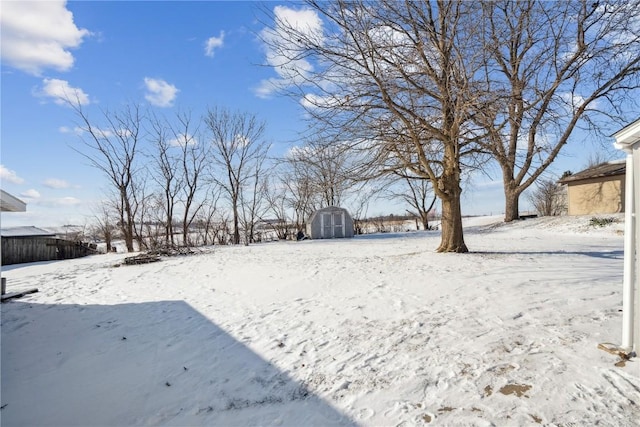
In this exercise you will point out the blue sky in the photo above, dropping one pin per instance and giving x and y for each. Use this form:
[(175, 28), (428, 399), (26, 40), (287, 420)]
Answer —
[(167, 56)]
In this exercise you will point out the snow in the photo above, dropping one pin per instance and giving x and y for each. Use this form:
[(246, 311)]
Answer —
[(375, 330)]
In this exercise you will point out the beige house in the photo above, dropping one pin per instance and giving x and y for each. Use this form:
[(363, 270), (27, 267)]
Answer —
[(596, 190)]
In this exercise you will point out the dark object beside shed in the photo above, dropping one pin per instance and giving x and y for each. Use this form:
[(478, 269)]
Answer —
[(330, 223)]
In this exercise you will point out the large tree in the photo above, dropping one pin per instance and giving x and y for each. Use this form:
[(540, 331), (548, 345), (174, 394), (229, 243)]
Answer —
[(394, 79), (237, 148), (193, 156), (550, 69), (166, 174), (113, 147)]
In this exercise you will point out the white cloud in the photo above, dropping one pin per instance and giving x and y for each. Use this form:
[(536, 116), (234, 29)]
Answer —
[(573, 101), (30, 194), (489, 184), (213, 43), (100, 132), (298, 151), (61, 202), (62, 93), (314, 101), (305, 21), (77, 130), (267, 87), (181, 140), (9, 175), (38, 35), (67, 201), (56, 183), (159, 92)]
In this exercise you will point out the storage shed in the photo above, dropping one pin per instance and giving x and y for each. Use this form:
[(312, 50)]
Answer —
[(330, 223), (32, 244)]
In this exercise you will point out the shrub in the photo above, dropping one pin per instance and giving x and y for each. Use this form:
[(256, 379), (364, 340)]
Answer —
[(601, 222)]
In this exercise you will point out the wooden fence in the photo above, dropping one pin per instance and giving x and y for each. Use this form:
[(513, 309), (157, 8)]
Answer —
[(18, 250)]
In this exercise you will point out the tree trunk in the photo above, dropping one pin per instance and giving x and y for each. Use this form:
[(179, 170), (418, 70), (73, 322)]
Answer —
[(107, 241), (169, 228), (452, 239), (185, 224), (511, 200), (185, 234), (128, 238), (236, 225), (424, 217), (127, 233)]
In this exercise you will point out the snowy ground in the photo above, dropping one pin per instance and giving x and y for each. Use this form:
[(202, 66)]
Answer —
[(376, 330)]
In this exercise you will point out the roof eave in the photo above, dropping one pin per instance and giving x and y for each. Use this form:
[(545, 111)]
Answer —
[(628, 136), (9, 203), (576, 179)]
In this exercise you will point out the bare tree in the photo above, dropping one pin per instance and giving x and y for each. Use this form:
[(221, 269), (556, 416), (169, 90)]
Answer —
[(237, 144), (299, 191), (359, 208), (279, 206), (155, 229), (205, 216), (326, 168), (551, 68), (395, 80), (105, 224), (114, 148), (142, 208), (253, 196), (193, 163), (167, 174), (222, 231), (596, 159), (549, 198), (418, 194)]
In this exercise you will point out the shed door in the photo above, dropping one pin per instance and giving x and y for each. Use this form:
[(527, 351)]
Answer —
[(326, 225), (338, 224)]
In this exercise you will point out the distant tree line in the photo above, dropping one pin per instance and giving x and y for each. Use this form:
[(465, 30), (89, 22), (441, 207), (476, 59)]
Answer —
[(185, 181)]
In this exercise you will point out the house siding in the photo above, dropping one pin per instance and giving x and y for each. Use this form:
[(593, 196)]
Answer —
[(601, 195)]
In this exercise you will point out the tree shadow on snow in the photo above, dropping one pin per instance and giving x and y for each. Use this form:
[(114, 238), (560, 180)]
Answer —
[(154, 363), (615, 254), (397, 235)]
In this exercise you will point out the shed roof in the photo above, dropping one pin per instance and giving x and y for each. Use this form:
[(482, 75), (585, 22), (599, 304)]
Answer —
[(332, 209), (613, 168), (25, 231)]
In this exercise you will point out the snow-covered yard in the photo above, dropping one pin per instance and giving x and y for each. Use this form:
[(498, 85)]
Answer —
[(375, 330)]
